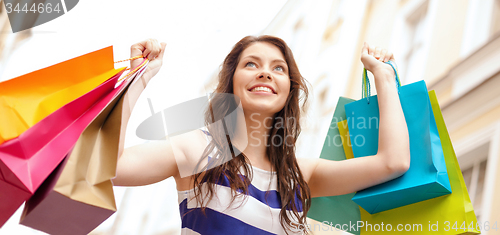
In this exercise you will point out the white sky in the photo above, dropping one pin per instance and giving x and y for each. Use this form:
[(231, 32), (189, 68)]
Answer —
[(199, 34)]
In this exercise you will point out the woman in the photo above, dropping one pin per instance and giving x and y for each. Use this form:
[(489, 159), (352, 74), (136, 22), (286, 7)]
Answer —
[(265, 189)]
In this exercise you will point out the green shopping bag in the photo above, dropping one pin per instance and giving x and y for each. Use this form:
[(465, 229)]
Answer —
[(336, 210), (449, 214)]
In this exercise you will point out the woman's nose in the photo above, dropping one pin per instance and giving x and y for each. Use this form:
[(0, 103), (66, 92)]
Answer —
[(265, 75)]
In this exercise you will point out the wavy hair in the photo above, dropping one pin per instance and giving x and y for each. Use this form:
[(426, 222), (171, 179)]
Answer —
[(292, 187)]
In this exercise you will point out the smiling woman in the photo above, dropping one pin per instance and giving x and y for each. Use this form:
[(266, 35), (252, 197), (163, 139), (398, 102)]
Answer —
[(251, 182)]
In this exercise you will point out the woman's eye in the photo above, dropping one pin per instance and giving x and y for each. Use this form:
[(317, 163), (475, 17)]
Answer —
[(279, 68), (251, 64)]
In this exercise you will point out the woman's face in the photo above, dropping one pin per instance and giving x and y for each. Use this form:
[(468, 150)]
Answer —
[(261, 79)]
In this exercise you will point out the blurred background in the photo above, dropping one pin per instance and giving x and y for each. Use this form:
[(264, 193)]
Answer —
[(454, 45)]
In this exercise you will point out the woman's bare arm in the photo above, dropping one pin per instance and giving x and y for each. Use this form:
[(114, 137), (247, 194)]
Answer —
[(145, 164), (135, 159), (329, 178), (157, 160)]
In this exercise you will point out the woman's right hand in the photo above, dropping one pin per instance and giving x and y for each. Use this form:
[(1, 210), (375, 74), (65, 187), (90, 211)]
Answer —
[(151, 49), (374, 58)]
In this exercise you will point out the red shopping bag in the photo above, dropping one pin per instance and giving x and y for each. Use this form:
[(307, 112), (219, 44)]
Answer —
[(26, 161)]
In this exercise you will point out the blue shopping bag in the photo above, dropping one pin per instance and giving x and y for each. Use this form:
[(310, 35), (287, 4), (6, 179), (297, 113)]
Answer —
[(427, 176)]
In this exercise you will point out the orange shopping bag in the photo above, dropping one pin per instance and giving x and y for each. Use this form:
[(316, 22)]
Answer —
[(27, 99)]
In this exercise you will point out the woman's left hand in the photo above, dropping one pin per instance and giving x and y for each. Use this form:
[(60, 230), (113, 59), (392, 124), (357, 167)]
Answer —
[(374, 59), (151, 49)]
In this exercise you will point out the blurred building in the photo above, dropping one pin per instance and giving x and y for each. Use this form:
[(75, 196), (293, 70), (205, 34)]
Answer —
[(454, 45)]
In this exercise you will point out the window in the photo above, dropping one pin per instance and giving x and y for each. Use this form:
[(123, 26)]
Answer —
[(474, 177), (414, 55), (483, 21), (478, 156), (332, 31), (411, 38), (299, 37)]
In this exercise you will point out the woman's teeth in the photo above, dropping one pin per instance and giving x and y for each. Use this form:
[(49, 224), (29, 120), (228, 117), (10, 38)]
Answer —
[(266, 89)]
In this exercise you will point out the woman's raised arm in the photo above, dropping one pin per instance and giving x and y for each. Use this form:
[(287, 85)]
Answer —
[(329, 178), (135, 162)]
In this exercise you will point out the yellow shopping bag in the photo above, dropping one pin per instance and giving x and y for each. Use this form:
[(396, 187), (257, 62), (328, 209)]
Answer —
[(27, 99), (346, 140), (449, 214)]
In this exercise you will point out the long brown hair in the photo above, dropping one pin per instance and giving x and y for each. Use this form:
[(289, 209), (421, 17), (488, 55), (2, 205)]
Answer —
[(229, 162)]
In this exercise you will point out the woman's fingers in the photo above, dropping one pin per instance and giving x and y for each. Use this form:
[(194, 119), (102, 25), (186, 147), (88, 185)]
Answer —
[(162, 50), (377, 52), (364, 50), (382, 55), (150, 48), (373, 58), (149, 51), (153, 48), (136, 49), (390, 57), (371, 51)]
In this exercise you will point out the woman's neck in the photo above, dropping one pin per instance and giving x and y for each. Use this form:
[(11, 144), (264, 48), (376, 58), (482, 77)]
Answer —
[(252, 133)]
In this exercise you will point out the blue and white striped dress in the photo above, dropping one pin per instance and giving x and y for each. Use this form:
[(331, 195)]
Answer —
[(255, 213)]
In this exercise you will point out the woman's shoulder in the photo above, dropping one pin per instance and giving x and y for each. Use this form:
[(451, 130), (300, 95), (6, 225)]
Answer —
[(188, 149), (191, 143)]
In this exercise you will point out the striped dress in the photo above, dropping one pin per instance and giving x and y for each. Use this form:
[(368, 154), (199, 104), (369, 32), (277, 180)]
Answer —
[(255, 213)]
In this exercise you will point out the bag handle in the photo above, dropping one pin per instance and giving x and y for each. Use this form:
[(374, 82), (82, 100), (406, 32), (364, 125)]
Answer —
[(140, 66), (365, 93)]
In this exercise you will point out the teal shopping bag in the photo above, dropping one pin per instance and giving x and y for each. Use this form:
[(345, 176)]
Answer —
[(335, 210), (427, 176)]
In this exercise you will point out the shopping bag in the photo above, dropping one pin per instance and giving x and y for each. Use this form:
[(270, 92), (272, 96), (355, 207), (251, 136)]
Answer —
[(27, 99), (346, 140), (26, 161), (335, 210), (79, 194), (445, 215), (427, 176)]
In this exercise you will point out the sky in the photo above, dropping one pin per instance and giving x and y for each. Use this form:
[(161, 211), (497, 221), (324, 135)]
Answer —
[(199, 34)]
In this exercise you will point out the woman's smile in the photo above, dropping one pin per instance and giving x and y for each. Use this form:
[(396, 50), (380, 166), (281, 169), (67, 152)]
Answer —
[(262, 89)]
